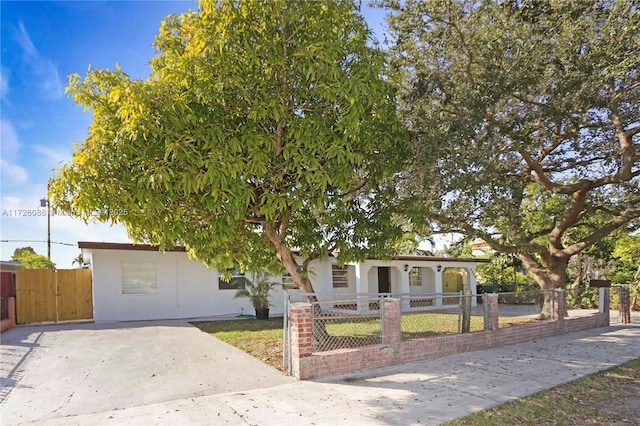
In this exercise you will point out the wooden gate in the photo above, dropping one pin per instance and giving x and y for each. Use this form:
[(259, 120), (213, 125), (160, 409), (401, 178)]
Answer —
[(53, 295)]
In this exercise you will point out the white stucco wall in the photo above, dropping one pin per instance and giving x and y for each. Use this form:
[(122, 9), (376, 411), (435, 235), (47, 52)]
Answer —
[(186, 289)]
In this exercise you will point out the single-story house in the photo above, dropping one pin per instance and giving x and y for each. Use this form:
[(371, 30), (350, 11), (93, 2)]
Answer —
[(138, 282)]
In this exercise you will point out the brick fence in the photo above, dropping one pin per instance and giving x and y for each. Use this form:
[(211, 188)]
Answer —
[(309, 365)]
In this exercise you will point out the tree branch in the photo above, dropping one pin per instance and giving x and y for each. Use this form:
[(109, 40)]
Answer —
[(555, 238), (596, 236)]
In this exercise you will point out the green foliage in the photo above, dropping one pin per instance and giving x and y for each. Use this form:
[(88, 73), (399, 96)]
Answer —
[(257, 290), (264, 126), (29, 259), (583, 298), (505, 276), (627, 248), (524, 122), (627, 253)]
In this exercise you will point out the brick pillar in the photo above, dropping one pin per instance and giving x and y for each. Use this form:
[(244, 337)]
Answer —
[(559, 307), (624, 307), (392, 322), (301, 339), (491, 299)]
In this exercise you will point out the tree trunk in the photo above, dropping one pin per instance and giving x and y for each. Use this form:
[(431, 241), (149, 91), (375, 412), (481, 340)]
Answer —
[(549, 278), (300, 278)]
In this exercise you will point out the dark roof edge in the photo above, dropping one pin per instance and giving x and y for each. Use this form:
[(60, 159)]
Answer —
[(415, 257), (146, 247), (123, 246)]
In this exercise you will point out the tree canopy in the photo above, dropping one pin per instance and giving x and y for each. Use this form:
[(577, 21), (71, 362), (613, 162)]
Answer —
[(524, 120), (265, 131), (29, 259)]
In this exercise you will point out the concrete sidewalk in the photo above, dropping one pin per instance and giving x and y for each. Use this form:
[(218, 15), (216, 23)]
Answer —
[(426, 392)]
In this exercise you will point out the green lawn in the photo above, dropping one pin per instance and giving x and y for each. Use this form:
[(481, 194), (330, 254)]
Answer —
[(259, 338), (263, 339), (414, 325), (611, 397)]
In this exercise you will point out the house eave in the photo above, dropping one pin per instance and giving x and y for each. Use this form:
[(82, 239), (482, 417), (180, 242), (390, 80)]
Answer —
[(422, 258), (92, 245)]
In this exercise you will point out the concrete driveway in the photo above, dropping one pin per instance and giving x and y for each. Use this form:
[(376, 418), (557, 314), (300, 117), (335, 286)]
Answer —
[(68, 370)]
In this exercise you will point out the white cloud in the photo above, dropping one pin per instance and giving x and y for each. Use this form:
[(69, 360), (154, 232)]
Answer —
[(4, 84), (57, 158), (12, 173), (10, 143), (43, 71), (11, 203)]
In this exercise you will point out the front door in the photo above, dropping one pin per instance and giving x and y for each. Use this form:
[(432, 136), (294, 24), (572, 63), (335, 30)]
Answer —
[(384, 280)]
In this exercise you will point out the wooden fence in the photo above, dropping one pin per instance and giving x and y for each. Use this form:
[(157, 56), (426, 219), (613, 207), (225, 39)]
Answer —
[(53, 295)]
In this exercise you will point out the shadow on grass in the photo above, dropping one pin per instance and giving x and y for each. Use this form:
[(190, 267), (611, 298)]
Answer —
[(240, 325), (261, 339)]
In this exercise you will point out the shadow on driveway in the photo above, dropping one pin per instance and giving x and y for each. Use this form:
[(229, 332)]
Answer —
[(51, 371)]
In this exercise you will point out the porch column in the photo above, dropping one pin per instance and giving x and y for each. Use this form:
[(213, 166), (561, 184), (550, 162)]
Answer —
[(362, 284), (438, 278), (404, 279), (473, 285), (362, 280)]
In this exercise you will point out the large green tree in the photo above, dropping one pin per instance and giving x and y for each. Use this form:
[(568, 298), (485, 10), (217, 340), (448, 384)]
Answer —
[(524, 118), (266, 131), (29, 259)]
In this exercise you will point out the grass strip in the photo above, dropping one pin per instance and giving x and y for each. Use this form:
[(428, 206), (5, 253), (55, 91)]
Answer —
[(610, 397)]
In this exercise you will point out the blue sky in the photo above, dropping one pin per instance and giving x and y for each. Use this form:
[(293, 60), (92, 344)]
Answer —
[(42, 43)]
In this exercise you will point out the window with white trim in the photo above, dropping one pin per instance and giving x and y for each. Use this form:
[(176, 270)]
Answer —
[(237, 280), (340, 276), (139, 277)]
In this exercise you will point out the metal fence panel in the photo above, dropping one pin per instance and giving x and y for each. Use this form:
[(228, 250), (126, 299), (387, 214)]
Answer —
[(338, 324)]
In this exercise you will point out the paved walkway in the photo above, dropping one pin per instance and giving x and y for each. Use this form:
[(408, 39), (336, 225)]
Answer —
[(426, 392)]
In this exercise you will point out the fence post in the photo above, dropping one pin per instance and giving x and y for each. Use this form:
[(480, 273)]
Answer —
[(559, 307), (491, 318), (466, 311), (286, 341), (392, 321), (485, 310), (383, 328), (604, 304), (301, 339), (624, 307)]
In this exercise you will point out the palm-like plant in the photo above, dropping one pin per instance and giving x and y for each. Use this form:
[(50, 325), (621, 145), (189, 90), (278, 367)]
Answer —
[(257, 290)]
